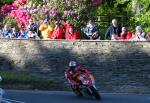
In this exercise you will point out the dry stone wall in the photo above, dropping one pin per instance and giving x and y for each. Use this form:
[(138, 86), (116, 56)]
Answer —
[(119, 66)]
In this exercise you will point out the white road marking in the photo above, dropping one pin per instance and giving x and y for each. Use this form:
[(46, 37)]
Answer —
[(5, 99)]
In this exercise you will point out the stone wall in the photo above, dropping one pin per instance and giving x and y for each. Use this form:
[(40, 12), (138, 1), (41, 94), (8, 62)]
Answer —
[(118, 66)]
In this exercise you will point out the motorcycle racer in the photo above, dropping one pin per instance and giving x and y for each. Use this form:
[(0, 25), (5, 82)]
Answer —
[(72, 72)]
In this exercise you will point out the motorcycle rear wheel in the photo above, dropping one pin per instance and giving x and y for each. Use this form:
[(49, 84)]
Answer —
[(77, 92)]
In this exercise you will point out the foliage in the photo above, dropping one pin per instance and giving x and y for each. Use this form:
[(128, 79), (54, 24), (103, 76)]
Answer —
[(6, 1), (24, 80), (10, 22), (79, 11), (14, 11), (110, 9), (143, 17), (76, 11)]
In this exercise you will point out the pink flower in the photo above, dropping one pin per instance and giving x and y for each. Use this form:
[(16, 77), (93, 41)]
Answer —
[(28, 17), (65, 12), (21, 8), (23, 17), (21, 1), (14, 4)]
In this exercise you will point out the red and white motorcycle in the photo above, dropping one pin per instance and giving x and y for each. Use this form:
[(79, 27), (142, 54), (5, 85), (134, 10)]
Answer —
[(86, 86)]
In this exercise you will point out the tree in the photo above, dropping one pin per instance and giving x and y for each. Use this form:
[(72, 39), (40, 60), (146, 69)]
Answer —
[(142, 14)]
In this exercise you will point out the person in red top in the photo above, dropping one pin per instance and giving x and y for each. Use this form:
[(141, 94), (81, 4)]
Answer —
[(58, 31), (71, 32), (125, 34), (72, 71), (129, 34)]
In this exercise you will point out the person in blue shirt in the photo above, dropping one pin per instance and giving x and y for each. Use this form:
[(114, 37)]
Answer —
[(14, 33), (32, 35), (6, 32), (113, 31), (23, 34), (91, 31)]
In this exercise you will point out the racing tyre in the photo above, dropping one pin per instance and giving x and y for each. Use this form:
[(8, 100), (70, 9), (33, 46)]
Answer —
[(77, 92), (95, 93)]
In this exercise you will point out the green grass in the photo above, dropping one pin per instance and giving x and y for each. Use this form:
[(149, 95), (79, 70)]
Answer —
[(24, 80)]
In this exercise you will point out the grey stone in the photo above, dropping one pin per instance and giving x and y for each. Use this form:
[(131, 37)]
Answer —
[(117, 66)]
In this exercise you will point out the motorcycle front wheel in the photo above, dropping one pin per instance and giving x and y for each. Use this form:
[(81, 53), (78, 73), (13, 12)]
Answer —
[(95, 93)]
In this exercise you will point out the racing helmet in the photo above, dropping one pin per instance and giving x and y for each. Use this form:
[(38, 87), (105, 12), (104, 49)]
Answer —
[(72, 65)]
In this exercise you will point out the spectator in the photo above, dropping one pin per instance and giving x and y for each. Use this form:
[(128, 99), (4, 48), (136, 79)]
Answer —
[(32, 35), (58, 31), (125, 34), (71, 33), (23, 34), (32, 25), (46, 30), (113, 32), (129, 34), (147, 36), (14, 33), (139, 34), (6, 32), (91, 31)]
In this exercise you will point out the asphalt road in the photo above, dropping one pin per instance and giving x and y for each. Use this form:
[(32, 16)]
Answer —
[(15, 96)]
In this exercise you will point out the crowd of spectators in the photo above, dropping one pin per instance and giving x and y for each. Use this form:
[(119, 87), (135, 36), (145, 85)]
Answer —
[(26, 13), (116, 32), (61, 30), (66, 30)]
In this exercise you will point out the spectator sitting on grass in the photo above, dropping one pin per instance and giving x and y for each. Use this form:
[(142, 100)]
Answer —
[(46, 30), (139, 34), (58, 31), (113, 32), (6, 32), (23, 34), (147, 36), (32, 35), (32, 25), (14, 33), (125, 34), (71, 32), (91, 31)]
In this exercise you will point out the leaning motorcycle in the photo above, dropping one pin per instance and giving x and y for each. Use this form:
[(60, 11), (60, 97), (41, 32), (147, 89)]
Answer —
[(86, 86)]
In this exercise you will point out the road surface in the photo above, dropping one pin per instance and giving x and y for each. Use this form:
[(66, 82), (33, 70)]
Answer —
[(16, 96)]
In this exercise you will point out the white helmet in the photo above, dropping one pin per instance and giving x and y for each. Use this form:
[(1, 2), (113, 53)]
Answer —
[(72, 63)]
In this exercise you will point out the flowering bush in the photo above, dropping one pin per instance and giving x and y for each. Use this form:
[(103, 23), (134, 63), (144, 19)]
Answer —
[(10, 22), (75, 10), (18, 2), (16, 11)]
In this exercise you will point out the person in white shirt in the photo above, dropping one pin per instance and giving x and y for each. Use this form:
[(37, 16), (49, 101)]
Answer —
[(32, 35), (139, 34)]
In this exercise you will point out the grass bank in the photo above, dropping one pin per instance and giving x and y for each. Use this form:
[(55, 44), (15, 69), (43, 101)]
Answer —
[(24, 80)]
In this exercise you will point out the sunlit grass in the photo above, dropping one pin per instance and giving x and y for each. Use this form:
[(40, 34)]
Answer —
[(24, 80)]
